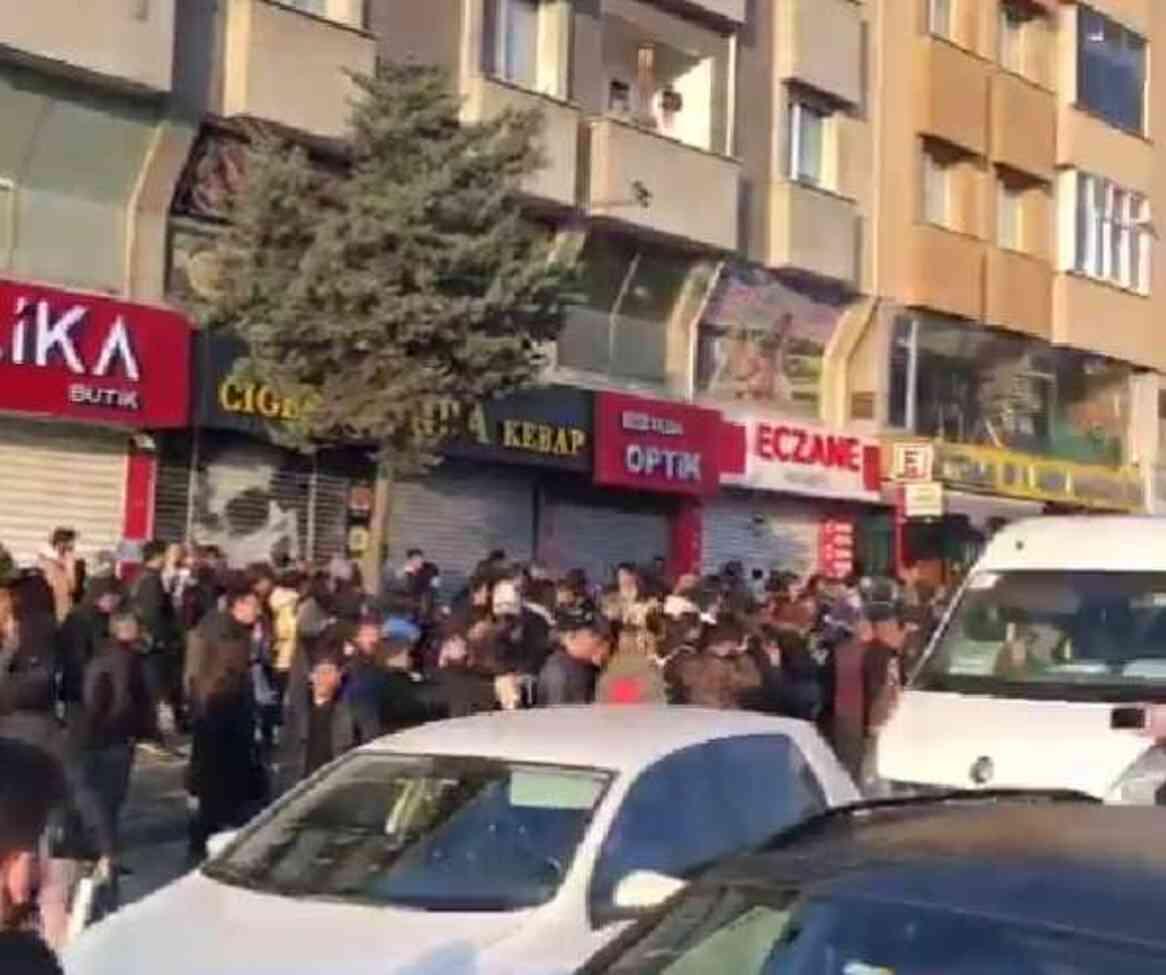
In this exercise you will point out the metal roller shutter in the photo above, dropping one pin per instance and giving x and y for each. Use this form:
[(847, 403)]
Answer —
[(760, 531), (459, 514), (251, 499), (594, 536), (60, 476)]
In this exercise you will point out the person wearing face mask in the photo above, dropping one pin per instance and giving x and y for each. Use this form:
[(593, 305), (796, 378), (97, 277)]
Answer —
[(32, 784)]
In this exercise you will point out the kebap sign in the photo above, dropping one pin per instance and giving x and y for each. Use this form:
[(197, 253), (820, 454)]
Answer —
[(655, 445), (789, 456), (90, 358)]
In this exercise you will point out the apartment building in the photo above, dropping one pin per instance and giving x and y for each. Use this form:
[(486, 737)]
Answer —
[(1015, 256)]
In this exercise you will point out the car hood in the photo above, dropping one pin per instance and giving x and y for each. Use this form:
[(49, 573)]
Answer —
[(935, 739), (198, 926)]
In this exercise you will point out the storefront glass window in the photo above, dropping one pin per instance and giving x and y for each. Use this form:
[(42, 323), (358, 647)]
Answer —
[(633, 296), (972, 385), (762, 341)]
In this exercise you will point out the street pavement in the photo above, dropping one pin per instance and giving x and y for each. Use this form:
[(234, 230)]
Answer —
[(153, 825)]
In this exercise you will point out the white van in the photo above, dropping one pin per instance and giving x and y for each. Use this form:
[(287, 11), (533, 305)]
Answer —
[(1049, 670)]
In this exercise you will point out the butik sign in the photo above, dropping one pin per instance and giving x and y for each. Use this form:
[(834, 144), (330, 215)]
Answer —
[(89, 358), (786, 455), (654, 445)]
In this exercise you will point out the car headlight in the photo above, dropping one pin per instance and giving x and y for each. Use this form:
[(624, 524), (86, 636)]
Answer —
[(1143, 783)]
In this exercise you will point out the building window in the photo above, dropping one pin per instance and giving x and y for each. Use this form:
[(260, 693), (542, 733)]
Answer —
[(317, 7), (1012, 36), (937, 179), (807, 137), (1112, 240), (1009, 214), (939, 17), (1111, 70), (633, 293), (523, 43)]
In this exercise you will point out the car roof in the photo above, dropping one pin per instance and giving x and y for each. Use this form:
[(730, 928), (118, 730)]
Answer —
[(1102, 543), (623, 738), (1093, 868)]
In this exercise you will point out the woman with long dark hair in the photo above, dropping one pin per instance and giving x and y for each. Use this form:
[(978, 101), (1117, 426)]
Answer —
[(225, 775)]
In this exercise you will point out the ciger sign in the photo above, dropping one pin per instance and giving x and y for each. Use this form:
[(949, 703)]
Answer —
[(800, 458), (90, 358)]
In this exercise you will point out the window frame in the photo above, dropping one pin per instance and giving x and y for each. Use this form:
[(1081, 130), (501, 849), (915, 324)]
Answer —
[(941, 18), (932, 169), (799, 108), (1009, 195), (1128, 39), (1012, 22), (1111, 242)]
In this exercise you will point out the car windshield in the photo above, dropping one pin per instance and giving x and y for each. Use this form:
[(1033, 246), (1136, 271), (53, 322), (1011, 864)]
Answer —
[(1065, 635), (752, 933), (440, 834)]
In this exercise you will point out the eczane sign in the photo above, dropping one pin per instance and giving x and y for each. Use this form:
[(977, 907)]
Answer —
[(90, 358), (799, 458)]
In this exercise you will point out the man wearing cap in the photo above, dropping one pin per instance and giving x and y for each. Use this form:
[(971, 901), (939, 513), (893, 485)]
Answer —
[(570, 673), (867, 676)]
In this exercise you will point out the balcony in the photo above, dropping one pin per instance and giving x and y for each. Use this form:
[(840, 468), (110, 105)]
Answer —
[(131, 44), (1024, 126), (289, 67), (821, 46), (813, 230), (1085, 142), (952, 95), (1019, 293), (1093, 315), (661, 185), (556, 182), (946, 271)]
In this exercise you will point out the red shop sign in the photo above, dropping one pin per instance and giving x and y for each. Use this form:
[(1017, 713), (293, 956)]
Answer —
[(90, 358), (654, 445)]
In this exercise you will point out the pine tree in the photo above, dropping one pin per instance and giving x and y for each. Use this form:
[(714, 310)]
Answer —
[(408, 274)]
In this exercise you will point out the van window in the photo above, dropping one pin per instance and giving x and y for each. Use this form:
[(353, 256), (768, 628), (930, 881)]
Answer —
[(1059, 635)]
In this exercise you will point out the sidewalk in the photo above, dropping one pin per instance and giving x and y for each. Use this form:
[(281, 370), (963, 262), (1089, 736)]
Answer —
[(153, 826)]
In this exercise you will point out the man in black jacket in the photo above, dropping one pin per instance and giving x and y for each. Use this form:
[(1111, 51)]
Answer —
[(31, 785), (159, 618), (318, 724), (84, 634)]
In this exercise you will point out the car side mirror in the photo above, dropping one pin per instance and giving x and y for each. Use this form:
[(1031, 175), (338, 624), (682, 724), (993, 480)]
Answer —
[(219, 842), (642, 890)]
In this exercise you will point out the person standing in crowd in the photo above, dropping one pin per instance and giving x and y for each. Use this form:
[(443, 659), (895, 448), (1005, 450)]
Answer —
[(154, 607), (407, 701), (570, 673), (225, 773), (58, 564), (366, 681), (867, 678), (267, 698), (319, 725), (32, 785), (232, 624), (84, 634), (722, 675), (402, 582), (283, 604), (117, 712), (632, 676)]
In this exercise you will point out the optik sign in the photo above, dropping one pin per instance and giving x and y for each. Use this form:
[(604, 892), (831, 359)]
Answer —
[(90, 358)]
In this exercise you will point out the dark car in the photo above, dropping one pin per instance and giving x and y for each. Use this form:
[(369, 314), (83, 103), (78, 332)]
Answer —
[(952, 886)]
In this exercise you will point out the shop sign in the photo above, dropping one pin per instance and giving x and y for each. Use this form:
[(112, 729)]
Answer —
[(89, 358), (799, 458), (911, 461), (653, 445), (227, 402), (1010, 474), (923, 500), (836, 548)]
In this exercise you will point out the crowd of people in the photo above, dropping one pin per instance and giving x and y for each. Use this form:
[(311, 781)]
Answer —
[(273, 670)]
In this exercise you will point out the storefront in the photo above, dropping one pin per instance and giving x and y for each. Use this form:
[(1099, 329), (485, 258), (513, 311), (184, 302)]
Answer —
[(951, 498), (488, 493), (226, 482), (82, 380), (800, 498), (656, 462)]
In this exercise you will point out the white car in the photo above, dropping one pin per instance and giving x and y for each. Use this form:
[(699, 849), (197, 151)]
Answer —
[(509, 842), (1049, 671)]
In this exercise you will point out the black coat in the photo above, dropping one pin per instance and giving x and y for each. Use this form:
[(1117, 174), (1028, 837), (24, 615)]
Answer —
[(28, 684), (293, 756), (118, 709), (224, 771), (82, 635), (156, 610)]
